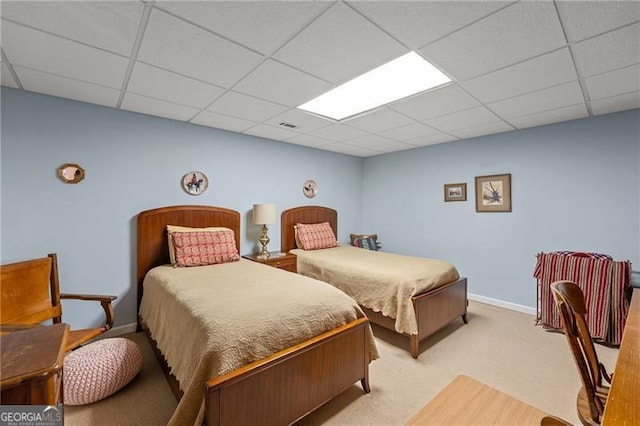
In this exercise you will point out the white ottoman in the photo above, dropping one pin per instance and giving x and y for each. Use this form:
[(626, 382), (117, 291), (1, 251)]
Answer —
[(99, 369)]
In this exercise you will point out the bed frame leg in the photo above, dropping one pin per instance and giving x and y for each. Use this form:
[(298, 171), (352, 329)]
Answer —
[(415, 345), (365, 385), (464, 319)]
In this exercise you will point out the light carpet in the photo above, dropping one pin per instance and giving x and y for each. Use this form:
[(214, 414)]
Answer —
[(499, 347)]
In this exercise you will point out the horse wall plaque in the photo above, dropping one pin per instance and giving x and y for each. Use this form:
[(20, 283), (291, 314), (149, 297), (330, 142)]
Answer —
[(195, 183)]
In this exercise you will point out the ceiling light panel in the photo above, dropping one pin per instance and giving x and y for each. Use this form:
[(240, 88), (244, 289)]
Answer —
[(402, 77)]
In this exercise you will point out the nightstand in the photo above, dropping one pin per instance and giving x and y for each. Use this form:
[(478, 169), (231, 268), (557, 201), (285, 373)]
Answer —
[(286, 261)]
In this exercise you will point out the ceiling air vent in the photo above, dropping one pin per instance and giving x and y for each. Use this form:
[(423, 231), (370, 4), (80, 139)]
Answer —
[(289, 125)]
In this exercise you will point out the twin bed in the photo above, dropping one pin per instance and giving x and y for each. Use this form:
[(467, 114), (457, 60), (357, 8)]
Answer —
[(409, 295), (246, 343)]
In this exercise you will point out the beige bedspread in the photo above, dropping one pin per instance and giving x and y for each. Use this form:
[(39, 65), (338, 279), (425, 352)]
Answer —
[(211, 320), (383, 282)]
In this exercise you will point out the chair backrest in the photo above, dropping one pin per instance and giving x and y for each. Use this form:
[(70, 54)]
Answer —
[(569, 300), (30, 292)]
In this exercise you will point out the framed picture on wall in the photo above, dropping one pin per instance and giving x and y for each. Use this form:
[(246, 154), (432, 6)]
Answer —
[(493, 193), (455, 192)]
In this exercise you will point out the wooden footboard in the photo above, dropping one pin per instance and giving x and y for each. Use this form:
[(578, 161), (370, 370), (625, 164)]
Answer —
[(434, 309), (290, 384)]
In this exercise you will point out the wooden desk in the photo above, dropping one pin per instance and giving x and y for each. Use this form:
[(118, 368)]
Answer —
[(466, 401), (32, 362), (623, 403)]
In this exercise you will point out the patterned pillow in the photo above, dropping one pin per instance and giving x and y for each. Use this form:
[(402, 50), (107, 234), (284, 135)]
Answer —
[(316, 236), (173, 228), (204, 247)]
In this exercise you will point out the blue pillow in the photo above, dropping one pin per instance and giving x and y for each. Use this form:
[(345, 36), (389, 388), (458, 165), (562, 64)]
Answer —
[(369, 242)]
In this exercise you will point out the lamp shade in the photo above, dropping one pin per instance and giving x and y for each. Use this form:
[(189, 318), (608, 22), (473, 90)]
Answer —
[(264, 214)]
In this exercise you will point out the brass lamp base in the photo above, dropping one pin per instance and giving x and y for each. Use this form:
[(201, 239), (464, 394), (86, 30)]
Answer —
[(264, 240)]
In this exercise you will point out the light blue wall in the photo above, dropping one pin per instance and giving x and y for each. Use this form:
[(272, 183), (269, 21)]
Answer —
[(135, 162), (574, 187)]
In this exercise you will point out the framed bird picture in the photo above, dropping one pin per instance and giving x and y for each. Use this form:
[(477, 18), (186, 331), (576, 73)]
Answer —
[(493, 193)]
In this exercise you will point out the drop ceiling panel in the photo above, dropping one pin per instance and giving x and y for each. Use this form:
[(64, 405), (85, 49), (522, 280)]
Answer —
[(373, 142), (90, 22), (432, 139), (583, 19), (55, 85), (309, 140), (37, 50), (409, 132), (173, 44), (463, 119), (282, 84), (303, 121), (614, 83), (543, 100), (511, 35), (610, 51), (547, 117), (435, 103), (270, 132), (191, 60), (246, 107), (166, 85), (145, 105), (379, 120), (482, 130), (616, 103), (395, 147), (259, 25), (339, 46), (344, 148), (7, 78), (534, 74), (418, 23), (338, 132), (220, 121)]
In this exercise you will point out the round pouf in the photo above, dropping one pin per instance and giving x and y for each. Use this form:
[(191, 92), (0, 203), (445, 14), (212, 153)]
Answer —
[(99, 369)]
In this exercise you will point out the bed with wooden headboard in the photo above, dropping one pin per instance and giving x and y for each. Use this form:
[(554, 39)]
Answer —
[(433, 309), (282, 387)]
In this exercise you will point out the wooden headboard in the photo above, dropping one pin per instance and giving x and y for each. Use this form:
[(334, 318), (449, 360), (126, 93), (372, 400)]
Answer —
[(305, 214), (153, 249)]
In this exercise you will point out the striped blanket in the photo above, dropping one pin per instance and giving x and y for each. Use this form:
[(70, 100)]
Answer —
[(603, 282)]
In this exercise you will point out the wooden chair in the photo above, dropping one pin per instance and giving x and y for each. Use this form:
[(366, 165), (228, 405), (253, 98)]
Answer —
[(554, 421), (31, 295), (593, 394)]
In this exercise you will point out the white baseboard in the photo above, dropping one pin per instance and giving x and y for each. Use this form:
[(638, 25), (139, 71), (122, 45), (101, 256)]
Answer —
[(503, 304)]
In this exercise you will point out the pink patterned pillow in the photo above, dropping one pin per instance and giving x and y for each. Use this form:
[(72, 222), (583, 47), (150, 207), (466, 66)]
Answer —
[(316, 236), (204, 248)]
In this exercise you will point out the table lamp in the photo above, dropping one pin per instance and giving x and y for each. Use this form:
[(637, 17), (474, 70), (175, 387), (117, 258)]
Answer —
[(264, 214)]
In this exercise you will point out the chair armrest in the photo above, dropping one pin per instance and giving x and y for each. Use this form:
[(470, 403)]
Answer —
[(96, 297), (105, 302)]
